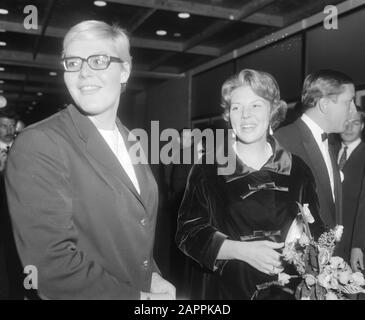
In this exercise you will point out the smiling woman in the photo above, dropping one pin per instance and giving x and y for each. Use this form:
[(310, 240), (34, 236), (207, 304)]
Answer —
[(84, 215), (234, 225)]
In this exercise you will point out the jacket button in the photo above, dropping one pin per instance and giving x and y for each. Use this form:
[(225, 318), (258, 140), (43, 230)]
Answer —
[(145, 263), (143, 222)]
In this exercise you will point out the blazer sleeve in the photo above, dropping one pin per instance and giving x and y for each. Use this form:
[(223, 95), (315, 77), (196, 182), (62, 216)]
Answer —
[(41, 209), (358, 237), (196, 235)]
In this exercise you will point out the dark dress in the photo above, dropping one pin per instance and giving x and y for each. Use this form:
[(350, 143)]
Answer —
[(247, 202)]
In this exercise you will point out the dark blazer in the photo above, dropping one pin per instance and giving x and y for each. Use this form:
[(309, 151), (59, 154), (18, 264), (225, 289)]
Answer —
[(298, 139), (353, 187), (76, 215)]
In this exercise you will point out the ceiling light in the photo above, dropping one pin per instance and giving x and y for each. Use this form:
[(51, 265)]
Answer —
[(100, 3), (1, 81), (161, 32), (184, 15), (177, 34), (2, 69), (1, 91), (39, 94), (2, 43), (34, 103), (52, 73), (4, 11)]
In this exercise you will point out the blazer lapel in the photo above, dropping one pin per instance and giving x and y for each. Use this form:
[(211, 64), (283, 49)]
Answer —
[(142, 170), (318, 164), (98, 149)]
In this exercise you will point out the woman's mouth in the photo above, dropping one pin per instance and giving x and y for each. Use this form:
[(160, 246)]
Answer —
[(248, 126), (89, 89)]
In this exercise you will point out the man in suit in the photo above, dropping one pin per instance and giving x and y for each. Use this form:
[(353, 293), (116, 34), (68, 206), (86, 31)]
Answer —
[(351, 160), (11, 274), (327, 100), (7, 134)]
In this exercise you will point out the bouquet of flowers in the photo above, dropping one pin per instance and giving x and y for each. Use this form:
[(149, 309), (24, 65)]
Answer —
[(324, 276)]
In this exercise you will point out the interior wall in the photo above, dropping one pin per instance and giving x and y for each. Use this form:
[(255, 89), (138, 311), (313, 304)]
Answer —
[(169, 104), (283, 60), (342, 49), (206, 90)]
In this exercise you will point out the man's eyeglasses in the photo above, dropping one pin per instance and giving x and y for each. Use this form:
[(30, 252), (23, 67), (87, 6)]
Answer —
[(95, 62)]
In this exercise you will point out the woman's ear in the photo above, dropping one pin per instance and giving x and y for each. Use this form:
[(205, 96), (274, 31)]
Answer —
[(125, 73)]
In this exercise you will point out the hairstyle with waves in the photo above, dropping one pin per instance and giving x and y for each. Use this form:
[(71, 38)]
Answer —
[(262, 84)]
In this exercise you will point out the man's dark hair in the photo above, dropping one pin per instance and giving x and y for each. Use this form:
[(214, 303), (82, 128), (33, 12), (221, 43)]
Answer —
[(361, 111), (323, 84), (8, 113)]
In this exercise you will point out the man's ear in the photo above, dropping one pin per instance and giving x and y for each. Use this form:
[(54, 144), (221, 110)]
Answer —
[(323, 105), (126, 72)]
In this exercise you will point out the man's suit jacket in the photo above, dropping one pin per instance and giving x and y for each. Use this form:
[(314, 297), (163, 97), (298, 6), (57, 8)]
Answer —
[(298, 139), (353, 188), (76, 215)]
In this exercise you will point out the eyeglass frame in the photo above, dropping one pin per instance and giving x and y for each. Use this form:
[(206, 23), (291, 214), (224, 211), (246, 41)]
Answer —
[(110, 60)]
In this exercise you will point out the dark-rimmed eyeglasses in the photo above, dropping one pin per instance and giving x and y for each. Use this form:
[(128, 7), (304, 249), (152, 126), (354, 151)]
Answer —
[(95, 62)]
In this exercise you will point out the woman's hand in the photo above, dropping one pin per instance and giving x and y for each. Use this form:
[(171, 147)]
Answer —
[(259, 254)]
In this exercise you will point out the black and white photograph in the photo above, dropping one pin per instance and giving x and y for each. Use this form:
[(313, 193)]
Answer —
[(198, 151)]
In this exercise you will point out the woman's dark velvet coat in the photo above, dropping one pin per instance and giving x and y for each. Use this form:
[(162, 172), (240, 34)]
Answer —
[(247, 202)]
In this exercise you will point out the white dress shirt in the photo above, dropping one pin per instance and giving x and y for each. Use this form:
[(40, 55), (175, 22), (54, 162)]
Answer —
[(350, 148), (116, 143), (3, 145), (323, 146)]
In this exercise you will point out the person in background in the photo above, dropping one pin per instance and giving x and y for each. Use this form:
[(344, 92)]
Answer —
[(327, 101), (351, 161), (7, 134), (11, 272), (20, 125), (83, 210)]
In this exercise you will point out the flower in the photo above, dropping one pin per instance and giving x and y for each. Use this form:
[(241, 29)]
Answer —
[(307, 215), (358, 278), (337, 263), (304, 240), (344, 277), (331, 296), (324, 280), (310, 280), (283, 278), (338, 232), (323, 256)]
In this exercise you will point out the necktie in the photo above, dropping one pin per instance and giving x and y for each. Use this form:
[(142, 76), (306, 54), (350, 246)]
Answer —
[(343, 158)]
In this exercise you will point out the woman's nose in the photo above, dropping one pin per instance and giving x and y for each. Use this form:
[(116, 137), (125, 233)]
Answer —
[(85, 70), (245, 113)]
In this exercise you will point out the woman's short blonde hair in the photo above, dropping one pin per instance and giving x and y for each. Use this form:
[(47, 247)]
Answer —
[(94, 29), (262, 84)]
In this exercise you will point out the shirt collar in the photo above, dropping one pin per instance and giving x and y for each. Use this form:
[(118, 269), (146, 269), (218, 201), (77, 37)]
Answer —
[(352, 145), (4, 145), (280, 161), (314, 128)]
